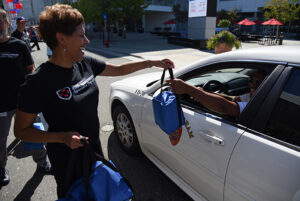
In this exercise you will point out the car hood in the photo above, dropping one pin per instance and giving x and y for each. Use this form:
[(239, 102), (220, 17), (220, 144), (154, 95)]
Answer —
[(142, 81)]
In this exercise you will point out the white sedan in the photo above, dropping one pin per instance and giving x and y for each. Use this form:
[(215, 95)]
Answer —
[(253, 157)]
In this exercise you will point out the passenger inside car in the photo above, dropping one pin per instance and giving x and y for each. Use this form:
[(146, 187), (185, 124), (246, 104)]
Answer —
[(222, 104)]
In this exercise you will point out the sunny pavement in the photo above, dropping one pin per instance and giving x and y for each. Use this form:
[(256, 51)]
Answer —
[(139, 46)]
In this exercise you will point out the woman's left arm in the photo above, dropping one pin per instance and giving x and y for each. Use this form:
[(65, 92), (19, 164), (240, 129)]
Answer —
[(127, 68)]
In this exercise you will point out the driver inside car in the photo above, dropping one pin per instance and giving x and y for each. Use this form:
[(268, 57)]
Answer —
[(218, 103)]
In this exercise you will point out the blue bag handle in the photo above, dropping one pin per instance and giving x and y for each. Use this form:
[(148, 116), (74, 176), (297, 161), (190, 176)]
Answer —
[(89, 152), (176, 96)]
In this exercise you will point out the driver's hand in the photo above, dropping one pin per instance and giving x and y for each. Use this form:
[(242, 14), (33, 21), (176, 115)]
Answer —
[(178, 86)]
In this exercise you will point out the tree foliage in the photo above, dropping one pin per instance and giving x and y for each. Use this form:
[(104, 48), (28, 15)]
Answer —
[(223, 37), (282, 10), (232, 15), (116, 10), (224, 23)]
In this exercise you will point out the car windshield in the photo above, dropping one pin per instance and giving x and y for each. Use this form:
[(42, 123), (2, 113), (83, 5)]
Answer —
[(235, 80)]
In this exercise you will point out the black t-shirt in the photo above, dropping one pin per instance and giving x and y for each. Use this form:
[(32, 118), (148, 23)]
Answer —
[(21, 36), (68, 97), (17, 34), (14, 57)]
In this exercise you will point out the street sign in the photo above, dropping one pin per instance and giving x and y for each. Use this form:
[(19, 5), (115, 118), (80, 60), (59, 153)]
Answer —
[(104, 16)]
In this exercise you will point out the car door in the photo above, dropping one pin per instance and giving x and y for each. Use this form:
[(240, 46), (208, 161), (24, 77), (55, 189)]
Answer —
[(201, 161), (266, 161)]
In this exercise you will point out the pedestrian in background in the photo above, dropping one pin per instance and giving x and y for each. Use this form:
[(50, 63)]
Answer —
[(21, 33), (34, 39), (64, 89), (16, 61)]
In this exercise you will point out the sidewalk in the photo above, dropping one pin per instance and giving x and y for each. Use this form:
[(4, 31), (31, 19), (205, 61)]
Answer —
[(139, 46)]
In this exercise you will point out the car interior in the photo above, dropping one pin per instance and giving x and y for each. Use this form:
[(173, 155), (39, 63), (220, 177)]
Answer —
[(222, 80)]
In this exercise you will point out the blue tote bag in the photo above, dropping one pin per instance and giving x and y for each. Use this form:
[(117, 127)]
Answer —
[(29, 146), (104, 183), (167, 111)]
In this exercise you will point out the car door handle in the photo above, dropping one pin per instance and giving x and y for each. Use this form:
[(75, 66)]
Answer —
[(211, 138)]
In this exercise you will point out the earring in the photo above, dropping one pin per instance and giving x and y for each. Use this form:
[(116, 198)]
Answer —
[(64, 49)]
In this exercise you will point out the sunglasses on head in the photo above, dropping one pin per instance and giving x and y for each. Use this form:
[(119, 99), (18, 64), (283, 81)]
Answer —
[(257, 82)]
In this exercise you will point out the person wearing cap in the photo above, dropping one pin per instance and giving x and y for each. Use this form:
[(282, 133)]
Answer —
[(20, 32)]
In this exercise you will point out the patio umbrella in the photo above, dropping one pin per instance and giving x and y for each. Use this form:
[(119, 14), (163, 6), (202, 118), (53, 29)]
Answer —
[(246, 22), (273, 22), (170, 22)]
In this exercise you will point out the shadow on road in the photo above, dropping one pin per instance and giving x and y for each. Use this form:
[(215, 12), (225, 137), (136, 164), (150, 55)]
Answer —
[(148, 182), (30, 186), (16, 149)]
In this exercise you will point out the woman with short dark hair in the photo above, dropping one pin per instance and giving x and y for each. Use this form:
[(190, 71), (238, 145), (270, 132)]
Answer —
[(65, 90)]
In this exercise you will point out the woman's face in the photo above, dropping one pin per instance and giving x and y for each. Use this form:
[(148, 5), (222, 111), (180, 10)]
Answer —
[(75, 44)]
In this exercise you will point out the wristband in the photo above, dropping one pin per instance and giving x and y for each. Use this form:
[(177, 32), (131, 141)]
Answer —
[(148, 64)]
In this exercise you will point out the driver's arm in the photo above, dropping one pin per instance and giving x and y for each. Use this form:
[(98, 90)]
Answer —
[(211, 101)]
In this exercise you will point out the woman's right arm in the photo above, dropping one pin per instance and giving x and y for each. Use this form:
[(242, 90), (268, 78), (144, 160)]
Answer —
[(25, 131)]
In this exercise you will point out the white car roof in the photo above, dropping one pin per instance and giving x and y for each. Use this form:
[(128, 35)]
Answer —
[(287, 54)]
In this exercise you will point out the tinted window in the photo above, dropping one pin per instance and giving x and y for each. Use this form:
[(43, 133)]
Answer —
[(284, 122)]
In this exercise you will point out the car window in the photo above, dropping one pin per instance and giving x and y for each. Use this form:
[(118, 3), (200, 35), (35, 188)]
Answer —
[(284, 121), (232, 82), (227, 82)]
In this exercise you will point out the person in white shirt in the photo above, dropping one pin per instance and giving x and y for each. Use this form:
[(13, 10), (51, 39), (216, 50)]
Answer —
[(218, 103)]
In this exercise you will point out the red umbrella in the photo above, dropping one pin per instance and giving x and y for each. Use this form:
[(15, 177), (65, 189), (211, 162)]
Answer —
[(246, 22), (170, 22), (272, 22)]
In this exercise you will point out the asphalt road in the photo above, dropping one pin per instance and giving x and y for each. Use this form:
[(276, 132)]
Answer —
[(148, 182)]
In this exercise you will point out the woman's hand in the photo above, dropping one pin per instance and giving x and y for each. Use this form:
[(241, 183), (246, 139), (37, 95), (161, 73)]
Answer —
[(72, 139), (164, 63)]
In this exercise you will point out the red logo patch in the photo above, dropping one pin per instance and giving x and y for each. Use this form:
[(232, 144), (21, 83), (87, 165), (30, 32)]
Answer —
[(175, 136), (65, 93)]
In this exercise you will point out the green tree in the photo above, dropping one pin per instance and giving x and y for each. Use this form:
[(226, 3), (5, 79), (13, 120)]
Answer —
[(124, 11), (92, 10), (285, 11), (128, 12), (232, 15)]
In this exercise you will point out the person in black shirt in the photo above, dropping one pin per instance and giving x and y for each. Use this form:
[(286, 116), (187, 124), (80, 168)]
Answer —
[(16, 62), (20, 33), (65, 91)]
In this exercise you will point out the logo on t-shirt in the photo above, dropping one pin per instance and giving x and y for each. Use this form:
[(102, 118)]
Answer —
[(65, 93), (83, 84)]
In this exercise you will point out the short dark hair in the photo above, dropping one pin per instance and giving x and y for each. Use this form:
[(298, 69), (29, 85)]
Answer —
[(58, 18)]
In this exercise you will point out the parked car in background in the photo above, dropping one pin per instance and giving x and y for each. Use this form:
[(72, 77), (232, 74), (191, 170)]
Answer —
[(253, 157)]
